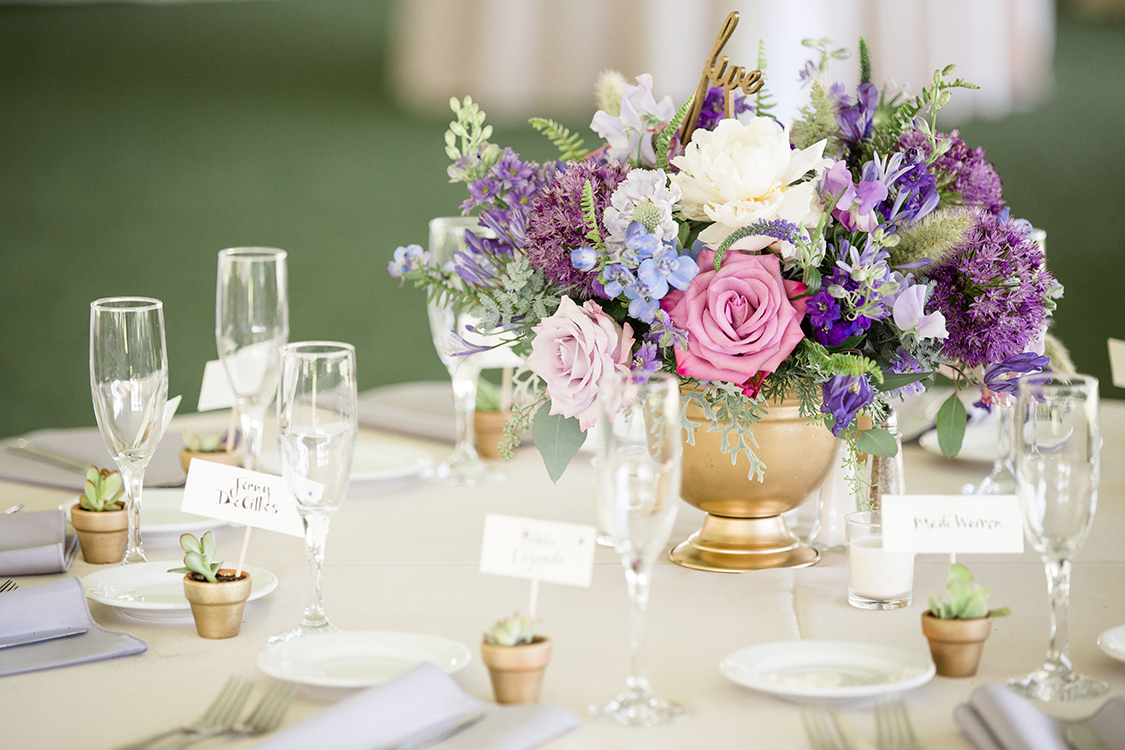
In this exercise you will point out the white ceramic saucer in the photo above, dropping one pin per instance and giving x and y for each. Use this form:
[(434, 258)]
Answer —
[(1112, 642), (374, 461)]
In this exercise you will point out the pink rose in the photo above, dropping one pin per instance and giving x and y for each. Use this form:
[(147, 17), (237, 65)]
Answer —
[(571, 351), (741, 320)]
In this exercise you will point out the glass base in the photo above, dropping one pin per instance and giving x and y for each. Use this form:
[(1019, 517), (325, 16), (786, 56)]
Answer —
[(303, 630), (134, 556), (465, 473), (1048, 684), (632, 710), (999, 482), (866, 602)]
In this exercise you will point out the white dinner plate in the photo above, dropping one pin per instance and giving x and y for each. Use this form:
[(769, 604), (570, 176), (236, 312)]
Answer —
[(374, 461), (821, 670), (359, 658), (149, 592), (1112, 642), (980, 444), (161, 514)]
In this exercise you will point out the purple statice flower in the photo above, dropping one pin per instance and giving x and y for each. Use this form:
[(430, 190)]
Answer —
[(780, 229), (904, 362), (852, 205), (855, 120), (843, 396), (666, 268), (645, 362), (713, 110), (555, 225), (961, 169), (407, 260), (992, 289)]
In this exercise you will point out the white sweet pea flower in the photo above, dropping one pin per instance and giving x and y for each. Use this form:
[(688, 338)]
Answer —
[(741, 173), (629, 134), (909, 308)]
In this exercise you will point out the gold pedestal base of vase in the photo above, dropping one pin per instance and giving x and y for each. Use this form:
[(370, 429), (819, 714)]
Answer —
[(734, 545)]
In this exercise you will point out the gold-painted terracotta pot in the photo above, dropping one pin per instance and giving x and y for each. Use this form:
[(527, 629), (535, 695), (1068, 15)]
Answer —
[(217, 607), (102, 535), (744, 529), (230, 458), (517, 671), (489, 426), (956, 645)]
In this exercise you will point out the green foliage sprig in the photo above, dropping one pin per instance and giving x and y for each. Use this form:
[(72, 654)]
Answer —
[(664, 138), (839, 363), (198, 557), (763, 100), (469, 127), (911, 114), (102, 490), (817, 122), (733, 414), (569, 144), (967, 600), (590, 216)]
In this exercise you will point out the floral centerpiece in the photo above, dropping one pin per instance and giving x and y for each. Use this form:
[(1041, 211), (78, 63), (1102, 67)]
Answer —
[(843, 259)]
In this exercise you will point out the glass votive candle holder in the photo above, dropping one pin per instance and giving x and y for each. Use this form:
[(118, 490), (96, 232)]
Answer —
[(877, 578)]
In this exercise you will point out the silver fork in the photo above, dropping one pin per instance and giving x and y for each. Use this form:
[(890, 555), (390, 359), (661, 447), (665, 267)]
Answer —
[(892, 726), (823, 730), (8, 585), (263, 718), (219, 716)]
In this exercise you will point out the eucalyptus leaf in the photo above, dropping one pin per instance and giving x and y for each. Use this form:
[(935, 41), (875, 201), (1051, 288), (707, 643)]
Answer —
[(892, 380), (877, 442), (558, 439), (951, 418)]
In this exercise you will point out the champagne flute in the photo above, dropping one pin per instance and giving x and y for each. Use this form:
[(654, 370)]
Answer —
[(129, 384), (638, 478), (316, 431), (448, 327), (251, 323), (1056, 446)]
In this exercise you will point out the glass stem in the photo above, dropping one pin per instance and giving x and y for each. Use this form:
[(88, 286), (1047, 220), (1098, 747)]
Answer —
[(464, 376), (637, 578), (251, 419), (133, 480), (316, 532), (1058, 595)]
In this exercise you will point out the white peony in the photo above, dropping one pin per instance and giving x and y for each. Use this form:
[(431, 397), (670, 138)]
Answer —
[(738, 174), (643, 196)]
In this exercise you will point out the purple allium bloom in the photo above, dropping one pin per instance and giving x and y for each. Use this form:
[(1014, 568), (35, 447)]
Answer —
[(645, 362), (855, 120), (992, 289), (904, 362), (712, 111), (843, 397), (406, 260), (965, 170), (555, 225)]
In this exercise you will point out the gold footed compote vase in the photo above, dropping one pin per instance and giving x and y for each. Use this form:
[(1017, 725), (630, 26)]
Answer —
[(744, 529)]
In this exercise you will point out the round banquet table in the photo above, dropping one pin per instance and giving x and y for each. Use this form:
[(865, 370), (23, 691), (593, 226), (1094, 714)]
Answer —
[(404, 556)]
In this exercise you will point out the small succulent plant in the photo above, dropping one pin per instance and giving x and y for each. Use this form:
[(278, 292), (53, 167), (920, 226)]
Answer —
[(967, 600), (512, 631), (198, 556), (103, 490), (203, 442), (488, 395)]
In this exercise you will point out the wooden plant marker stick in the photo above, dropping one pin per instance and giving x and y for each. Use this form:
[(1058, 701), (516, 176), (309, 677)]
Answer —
[(505, 390), (242, 554), (533, 598), (231, 428)]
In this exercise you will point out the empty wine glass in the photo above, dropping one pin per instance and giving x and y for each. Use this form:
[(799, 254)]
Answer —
[(638, 478), (129, 384), (251, 323), (448, 326), (316, 432), (1056, 446)]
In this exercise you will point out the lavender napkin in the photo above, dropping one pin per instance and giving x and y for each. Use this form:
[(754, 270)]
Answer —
[(52, 606), (385, 715), (35, 543), (86, 445), (995, 718)]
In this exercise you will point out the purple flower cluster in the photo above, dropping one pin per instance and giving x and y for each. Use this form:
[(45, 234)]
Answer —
[(964, 170), (713, 108), (505, 196), (855, 119), (904, 362), (555, 226), (992, 289), (842, 397), (915, 194)]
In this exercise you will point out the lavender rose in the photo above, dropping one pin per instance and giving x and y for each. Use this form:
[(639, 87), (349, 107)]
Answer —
[(572, 350), (741, 320)]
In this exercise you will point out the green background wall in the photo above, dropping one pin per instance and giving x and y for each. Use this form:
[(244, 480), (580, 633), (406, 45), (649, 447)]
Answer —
[(136, 141)]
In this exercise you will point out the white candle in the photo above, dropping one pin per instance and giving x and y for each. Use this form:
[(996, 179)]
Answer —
[(877, 574)]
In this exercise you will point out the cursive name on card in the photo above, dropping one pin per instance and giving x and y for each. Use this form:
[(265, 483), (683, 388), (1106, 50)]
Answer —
[(237, 495), (215, 392), (952, 523), (549, 551)]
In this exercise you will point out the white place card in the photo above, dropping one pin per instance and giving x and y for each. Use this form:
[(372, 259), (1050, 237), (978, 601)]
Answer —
[(952, 523), (549, 551), (237, 495), (215, 392), (1117, 361), (169, 411)]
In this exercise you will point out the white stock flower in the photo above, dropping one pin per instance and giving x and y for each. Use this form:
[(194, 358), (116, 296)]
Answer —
[(738, 174), (649, 191)]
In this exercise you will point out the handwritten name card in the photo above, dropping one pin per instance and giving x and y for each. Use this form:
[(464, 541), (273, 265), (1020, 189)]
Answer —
[(251, 498), (549, 551), (1117, 362), (952, 523)]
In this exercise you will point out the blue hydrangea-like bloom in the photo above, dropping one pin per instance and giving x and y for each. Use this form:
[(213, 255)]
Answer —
[(584, 258), (407, 260), (639, 243), (616, 279), (666, 268), (843, 396)]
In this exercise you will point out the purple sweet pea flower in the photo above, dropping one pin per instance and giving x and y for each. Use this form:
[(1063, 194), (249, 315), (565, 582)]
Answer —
[(843, 397), (1002, 376), (855, 120), (854, 204)]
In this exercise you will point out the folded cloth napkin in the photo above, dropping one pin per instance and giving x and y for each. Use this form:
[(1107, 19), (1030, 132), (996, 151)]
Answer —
[(422, 409), (86, 445), (53, 606), (995, 718), (35, 543), (385, 715)]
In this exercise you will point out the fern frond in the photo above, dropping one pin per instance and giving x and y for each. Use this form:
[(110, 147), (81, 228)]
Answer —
[(763, 102), (568, 144), (839, 363), (590, 215), (664, 139)]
